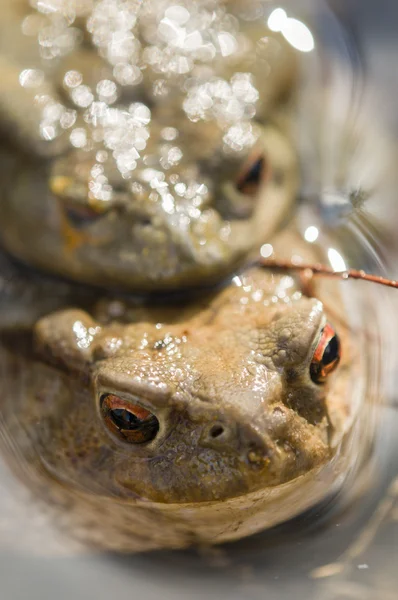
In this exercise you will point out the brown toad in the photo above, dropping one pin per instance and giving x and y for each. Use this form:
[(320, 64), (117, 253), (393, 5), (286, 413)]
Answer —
[(165, 181), (183, 423)]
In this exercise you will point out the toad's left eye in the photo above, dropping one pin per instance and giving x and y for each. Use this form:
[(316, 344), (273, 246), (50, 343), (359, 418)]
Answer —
[(253, 173), (81, 216), (130, 422), (326, 356), (73, 196)]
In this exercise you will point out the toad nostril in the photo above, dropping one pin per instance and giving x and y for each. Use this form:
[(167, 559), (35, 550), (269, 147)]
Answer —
[(217, 434), (216, 431)]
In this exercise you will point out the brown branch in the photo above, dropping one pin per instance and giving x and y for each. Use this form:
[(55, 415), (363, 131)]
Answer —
[(318, 269)]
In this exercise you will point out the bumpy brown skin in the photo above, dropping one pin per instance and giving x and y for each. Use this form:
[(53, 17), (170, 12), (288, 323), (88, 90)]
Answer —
[(243, 367), (238, 359), (137, 242)]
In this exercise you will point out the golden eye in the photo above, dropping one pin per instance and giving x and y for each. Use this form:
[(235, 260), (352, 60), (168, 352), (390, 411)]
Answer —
[(327, 355), (130, 422), (253, 173), (74, 202), (79, 216)]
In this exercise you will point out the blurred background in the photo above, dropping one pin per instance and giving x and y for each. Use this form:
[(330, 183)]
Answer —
[(374, 25)]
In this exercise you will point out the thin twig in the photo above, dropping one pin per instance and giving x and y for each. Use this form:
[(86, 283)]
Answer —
[(318, 269)]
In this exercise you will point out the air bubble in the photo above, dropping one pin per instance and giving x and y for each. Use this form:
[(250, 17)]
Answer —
[(78, 137), (31, 78), (73, 79), (82, 96)]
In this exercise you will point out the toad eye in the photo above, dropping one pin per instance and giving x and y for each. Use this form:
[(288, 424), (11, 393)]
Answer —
[(130, 422), (326, 356), (80, 216), (253, 173), (73, 197)]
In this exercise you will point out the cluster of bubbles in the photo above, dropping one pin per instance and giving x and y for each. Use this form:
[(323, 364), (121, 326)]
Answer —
[(112, 25), (53, 22), (230, 104), (177, 52)]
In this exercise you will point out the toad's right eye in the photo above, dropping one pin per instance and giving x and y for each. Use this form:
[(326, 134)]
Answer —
[(253, 173), (130, 422)]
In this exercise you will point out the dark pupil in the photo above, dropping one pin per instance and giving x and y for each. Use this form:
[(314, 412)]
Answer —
[(124, 419), (80, 218), (132, 428), (253, 177), (331, 352)]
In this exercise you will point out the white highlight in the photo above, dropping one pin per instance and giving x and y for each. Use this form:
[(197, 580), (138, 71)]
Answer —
[(266, 250), (237, 281), (336, 260), (31, 78), (294, 31), (311, 234), (277, 19), (298, 35)]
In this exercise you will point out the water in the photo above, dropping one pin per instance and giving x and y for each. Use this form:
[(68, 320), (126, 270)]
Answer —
[(341, 549)]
